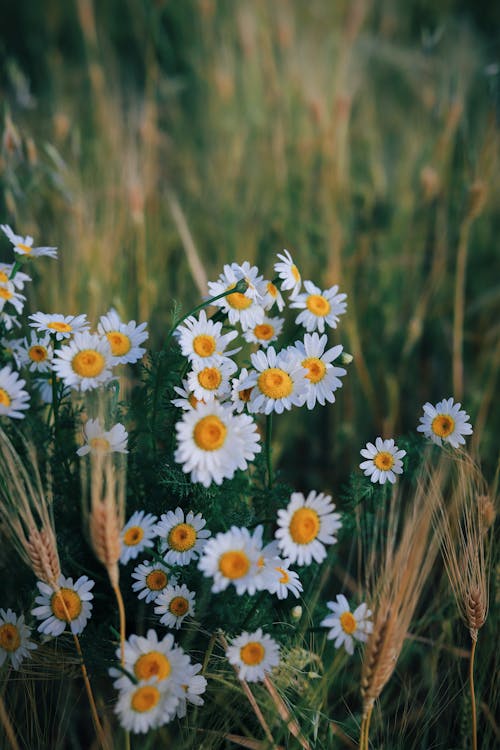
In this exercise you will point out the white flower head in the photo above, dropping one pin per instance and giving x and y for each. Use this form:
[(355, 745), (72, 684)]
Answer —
[(323, 377), (24, 245), (278, 382), (149, 658), (210, 382), (10, 296), (347, 626), (12, 348), (272, 296), (245, 307), (60, 326), (13, 398), (266, 332), (137, 535), (147, 705), (288, 273), (125, 339), (306, 526), (254, 655), (319, 308), (151, 580), (15, 644), (174, 604), (85, 363), (202, 341), (19, 280), (99, 440), (445, 422), (193, 688), (69, 605), (45, 391), (240, 396), (280, 580), (233, 557), (9, 321), (187, 400), (383, 461), (36, 352), (181, 538)]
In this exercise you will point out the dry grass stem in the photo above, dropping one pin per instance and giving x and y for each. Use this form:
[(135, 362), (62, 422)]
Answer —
[(283, 711)]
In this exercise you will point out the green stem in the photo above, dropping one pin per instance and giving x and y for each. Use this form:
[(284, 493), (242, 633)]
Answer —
[(15, 269), (269, 429)]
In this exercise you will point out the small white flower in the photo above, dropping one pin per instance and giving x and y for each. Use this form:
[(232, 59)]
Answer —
[(36, 353), (137, 535), (209, 382), (266, 332), (24, 245), (254, 654), (280, 580), (152, 578), (174, 604), (9, 321), (240, 396), (85, 362), (194, 687), (305, 526), (99, 440), (246, 307), (44, 388), (278, 382), (232, 557), (319, 307), (146, 706), (69, 605), (60, 326), (445, 422), (323, 378), (124, 338), (202, 342), (13, 399), (187, 400), (346, 625), (12, 348), (181, 539), (9, 295), (288, 273), (149, 658), (272, 296), (19, 280), (383, 461), (15, 644)]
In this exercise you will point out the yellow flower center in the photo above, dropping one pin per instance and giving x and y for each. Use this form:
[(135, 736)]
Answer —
[(5, 399), (237, 300), (210, 433), (133, 536), (88, 363), (24, 248), (384, 461), (252, 653), (145, 698), (194, 401), (318, 305), (245, 394), (295, 273), (204, 345), (304, 526), (119, 342), (264, 331), (156, 580), (271, 289), (152, 664), (60, 327), (3, 277), (179, 606), (348, 622), (284, 575), (10, 638), (234, 564), (66, 604), (100, 444), (443, 425), (210, 378), (316, 367), (182, 537), (275, 383), (38, 353), (5, 293)]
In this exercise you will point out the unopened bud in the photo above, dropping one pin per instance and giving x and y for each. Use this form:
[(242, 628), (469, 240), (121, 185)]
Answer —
[(297, 612), (346, 358)]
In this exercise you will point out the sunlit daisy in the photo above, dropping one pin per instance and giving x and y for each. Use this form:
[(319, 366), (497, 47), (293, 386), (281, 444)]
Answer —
[(36, 352), (266, 332), (288, 273), (383, 461), (209, 382), (278, 382), (305, 526), (213, 443), (319, 308), (347, 626), (124, 338), (174, 604), (149, 658), (99, 440), (13, 398), (137, 535), (323, 377), (146, 706), (280, 580), (151, 580), (15, 644), (202, 341), (254, 655), (85, 362), (60, 326), (193, 688), (19, 279), (69, 605), (272, 296), (246, 307), (9, 296), (445, 422), (24, 245), (240, 396), (232, 557), (181, 539), (187, 399)]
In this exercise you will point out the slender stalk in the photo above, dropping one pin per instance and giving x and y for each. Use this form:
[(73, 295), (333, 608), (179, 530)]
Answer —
[(473, 695), (15, 269), (7, 726), (285, 714), (365, 730), (458, 312), (121, 611), (269, 429), (93, 708)]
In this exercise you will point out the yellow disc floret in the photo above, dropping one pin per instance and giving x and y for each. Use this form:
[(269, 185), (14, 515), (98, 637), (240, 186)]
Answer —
[(284, 575), (304, 525), (88, 363), (210, 378), (5, 399), (182, 537), (264, 331), (156, 580), (384, 461), (100, 444), (252, 653), (25, 248), (237, 300), (60, 327), (152, 664), (210, 433), (234, 564), (133, 535), (318, 305), (3, 277), (275, 383), (38, 353), (295, 272), (66, 604), (119, 342), (10, 638), (179, 606), (316, 367), (348, 622), (5, 293), (443, 425), (145, 698), (204, 345)]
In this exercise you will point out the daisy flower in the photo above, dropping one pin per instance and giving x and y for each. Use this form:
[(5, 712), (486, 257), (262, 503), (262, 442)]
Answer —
[(124, 338), (244, 308), (12, 348), (13, 399), (445, 422), (280, 580), (233, 557), (213, 443), (146, 706), (69, 605), (148, 658), (60, 326), (151, 580), (36, 353), (202, 342), (240, 396), (272, 296), (137, 534), (85, 362), (266, 332), (254, 655), (44, 388), (18, 280), (9, 295), (99, 440), (24, 245), (305, 526), (187, 400), (174, 604), (8, 321), (383, 461), (194, 686), (181, 539), (319, 307), (288, 273), (207, 383), (347, 626), (323, 378), (278, 382), (15, 644)]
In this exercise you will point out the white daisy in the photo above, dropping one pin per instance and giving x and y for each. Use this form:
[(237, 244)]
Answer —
[(99, 440), (13, 399), (24, 245), (323, 378), (232, 557), (278, 382), (15, 644), (272, 296), (280, 580), (149, 658), (146, 706), (445, 422), (60, 326), (240, 396), (383, 461), (245, 307), (69, 605), (12, 348), (213, 443), (85, 362), (152, 578), (9, 321), (19, 279), (254, 654), (194, 687), (266, 332), (44, 388), (187, 400), (202, 342), (347, 626), (137, 535), (36, 352), (174, 604), (306, 526), (288, 273), (209, 382), (9, 295), (319, 307), (124, 338), (181, 539)]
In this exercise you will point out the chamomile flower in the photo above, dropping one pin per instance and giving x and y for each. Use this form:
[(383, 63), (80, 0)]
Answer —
[(209, 382), (254, 655), (383, 461), (305, 526), (245, 307), (44, 388), (9, 296), (323, 377), (181, 539), (99, 440), (445, 422), (146, 706), (272, 296), (9, 321), (149, 658), (15, 644), (60, 326), (174, 604), (137, 535), (288, 273), (280, 580), (36, 353), (240, 396), (187, 400), (151, 580), (69, 605), (347, 626), (278, 382), (232, 557), (213, 443), (319, 308), (13, 398), (12, 348), (193, 688), (124, 338), (202, 341), (24, 245), (266, 332), (19, 279), (85, 363)]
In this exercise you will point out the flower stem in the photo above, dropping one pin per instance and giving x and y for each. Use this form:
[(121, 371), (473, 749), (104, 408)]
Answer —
[(121, 610), (93, 708), (15, 269), (6, 723), (365, 730), (269, 429), (473, 695)]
